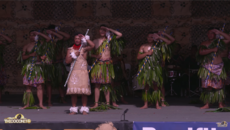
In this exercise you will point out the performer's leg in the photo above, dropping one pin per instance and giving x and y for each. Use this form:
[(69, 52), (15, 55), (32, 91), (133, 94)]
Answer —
[(62, 94), (221, 105), (206, 106), (223, 94), (40, 96), (49, 93), (157, 102), (74, 103), (107, 97), (74, 100), (163, 97), (28, 90), (157, 105), (114, 102), (84, 103), (145, 102), (97, 94)]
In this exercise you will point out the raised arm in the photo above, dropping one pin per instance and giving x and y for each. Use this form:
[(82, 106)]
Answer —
[(6, 37), (207, 51), (172, 39), (91, 44), (66, 35), (95, 42), (59, 37), (162, 38), (226, 36), (68, 58), (114, 31), (141, 53), (43, 35)]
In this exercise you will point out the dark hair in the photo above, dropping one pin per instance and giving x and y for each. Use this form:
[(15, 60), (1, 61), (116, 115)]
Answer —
[(77, 33), (211, 28), (51, 26), (31, 31), (103, 25), (152, 32)]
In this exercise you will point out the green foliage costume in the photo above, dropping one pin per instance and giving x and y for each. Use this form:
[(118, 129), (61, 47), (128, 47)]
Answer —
[(37, 75), (217, 74), (151, 71), (117, 47), (60, 72), (103, 71), (48, 67)]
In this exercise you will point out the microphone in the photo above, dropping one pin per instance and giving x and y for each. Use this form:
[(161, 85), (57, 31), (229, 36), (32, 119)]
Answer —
[(126, 111), (124, 114)]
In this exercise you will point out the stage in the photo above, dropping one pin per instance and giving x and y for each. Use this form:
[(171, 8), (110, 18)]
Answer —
[(179, 110)]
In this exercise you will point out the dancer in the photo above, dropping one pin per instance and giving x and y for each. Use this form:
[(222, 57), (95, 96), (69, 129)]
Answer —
[(119, 83), (213, 85), (49, 71), (3, 77), (151, 75), (78, 83), (32, 58), (103, 72), (60, 72)]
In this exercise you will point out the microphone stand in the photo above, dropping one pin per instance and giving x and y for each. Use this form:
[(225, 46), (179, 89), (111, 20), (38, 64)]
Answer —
[(124, 115)]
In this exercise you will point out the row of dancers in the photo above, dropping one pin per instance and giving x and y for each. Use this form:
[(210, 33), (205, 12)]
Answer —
[(42, 65)]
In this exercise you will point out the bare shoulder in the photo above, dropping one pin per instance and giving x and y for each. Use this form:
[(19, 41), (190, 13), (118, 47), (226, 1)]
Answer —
[(143, 45), (70, 48), (95, 41), (26, 46)]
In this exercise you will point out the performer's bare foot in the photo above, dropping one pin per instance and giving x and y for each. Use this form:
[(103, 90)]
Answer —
[(95, 105), (206, 106), (157, 106), (163, 104), (72, 113), (114, 104), (24, 107), (144, 107), (221, 105), (42, 107), (84, 113)]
